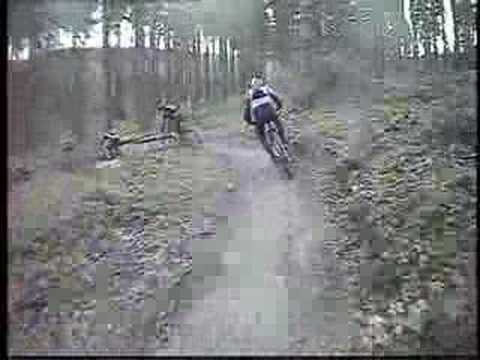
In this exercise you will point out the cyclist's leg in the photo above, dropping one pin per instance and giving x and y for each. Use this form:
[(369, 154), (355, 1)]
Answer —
[(260, 129), (261, 135), (281, 131)]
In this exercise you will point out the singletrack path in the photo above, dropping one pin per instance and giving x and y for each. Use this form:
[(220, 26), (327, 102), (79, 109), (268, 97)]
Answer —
[(266, 283)]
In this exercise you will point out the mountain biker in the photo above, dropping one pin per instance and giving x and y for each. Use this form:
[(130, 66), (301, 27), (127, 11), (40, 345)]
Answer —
[(262, 103)]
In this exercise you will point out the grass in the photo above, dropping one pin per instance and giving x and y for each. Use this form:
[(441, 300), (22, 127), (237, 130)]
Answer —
[(43, 200), (129, 128), (443, 178), (328, 125), (391, 174), (395, 108)]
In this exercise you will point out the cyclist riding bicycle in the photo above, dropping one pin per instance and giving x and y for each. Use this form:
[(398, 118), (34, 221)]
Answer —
[(262, 104)]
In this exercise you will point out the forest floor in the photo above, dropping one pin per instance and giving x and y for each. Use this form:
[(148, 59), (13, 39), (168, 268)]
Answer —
[(373, 248), (402, 195), (369, 249)]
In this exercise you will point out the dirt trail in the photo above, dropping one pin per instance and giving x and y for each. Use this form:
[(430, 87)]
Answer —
[(256, 287)]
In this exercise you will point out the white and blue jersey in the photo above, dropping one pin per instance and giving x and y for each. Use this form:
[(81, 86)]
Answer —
[(261, 102)]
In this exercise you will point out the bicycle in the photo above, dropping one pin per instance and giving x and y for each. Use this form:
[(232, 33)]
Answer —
[(279, 149)]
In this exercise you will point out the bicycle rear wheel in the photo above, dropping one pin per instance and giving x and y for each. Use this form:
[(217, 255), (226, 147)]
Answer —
[(270, 140), (284, 159)]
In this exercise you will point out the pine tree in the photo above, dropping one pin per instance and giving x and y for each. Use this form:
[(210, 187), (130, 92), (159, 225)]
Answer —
[(106, 30), (415, 16)]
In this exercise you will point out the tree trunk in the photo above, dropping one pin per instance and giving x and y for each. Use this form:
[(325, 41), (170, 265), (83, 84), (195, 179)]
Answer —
[(168, 38), (455, 28), (118, 34), (282, 20), (306, 36), (106, 30), (139, 36), (152, 37), (207, 70), (108, 85), (169, 74), (415, 15), (232, 65), (379, 60), (197, 83), (442, 30), (470, 29)]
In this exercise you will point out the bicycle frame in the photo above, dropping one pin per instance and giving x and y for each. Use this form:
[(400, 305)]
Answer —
[(274, 142)]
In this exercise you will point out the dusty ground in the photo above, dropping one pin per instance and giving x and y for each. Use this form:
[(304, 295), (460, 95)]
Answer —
[(268, 293)]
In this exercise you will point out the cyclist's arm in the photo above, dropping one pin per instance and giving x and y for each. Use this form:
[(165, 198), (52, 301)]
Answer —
[(275, 97), (247, 116)]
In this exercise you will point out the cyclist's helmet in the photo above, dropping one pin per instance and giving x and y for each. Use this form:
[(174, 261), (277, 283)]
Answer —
[(257, 81)]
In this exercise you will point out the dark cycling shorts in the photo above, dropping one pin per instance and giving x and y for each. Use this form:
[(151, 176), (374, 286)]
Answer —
[(263, 114)]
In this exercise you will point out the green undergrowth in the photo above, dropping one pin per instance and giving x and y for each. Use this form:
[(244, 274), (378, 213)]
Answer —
[(391, 173), (164, 189), (328, 124), (174, 184), (128, 128), (420, 201), (395, 108)]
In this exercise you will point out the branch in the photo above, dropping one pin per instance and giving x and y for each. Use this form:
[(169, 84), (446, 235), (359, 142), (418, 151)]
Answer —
[(468, 157), (148, 138)]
